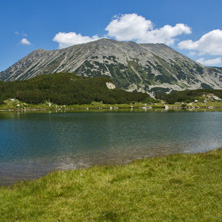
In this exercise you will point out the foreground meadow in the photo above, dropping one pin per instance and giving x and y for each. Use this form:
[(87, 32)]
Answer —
[(182, 187)]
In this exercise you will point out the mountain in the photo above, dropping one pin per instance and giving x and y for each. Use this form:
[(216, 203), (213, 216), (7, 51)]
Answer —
[(148, 68)]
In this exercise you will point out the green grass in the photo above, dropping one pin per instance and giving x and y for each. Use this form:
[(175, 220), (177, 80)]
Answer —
[(13, 105), (182, 187), (95, 106)]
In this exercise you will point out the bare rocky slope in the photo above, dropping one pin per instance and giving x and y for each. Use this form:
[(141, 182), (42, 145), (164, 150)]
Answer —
[(147, 68)]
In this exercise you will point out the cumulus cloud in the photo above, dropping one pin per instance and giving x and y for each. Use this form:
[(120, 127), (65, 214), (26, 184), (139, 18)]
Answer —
[(71, 38), (210, 43), (25, 41), (210, 62), (129, 27), (134, 27)]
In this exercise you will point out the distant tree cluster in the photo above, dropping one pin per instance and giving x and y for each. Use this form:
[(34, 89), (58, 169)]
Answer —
[(187, 95), (66, 88)]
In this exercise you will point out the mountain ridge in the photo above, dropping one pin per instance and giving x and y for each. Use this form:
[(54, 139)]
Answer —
[(142, 67)]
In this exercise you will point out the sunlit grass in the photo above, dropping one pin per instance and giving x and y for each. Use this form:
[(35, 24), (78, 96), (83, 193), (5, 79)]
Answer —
[(183, 187), (20, 106)]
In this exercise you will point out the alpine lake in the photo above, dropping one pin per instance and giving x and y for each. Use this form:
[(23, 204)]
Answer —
[(34, 144)]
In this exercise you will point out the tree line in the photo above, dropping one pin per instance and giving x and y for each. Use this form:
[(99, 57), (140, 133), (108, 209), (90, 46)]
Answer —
[(67, 89), (187, 95)]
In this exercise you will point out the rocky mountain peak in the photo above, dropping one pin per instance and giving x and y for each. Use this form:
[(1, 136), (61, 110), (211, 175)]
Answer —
[(150, 68)]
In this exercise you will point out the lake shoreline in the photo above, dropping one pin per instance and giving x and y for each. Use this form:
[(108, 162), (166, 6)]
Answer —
[(34, 178), (141, 189), (14, 105), (115, 108), (35, 143)]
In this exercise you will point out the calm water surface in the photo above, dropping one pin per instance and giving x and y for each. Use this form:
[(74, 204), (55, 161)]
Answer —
[(33, 144)]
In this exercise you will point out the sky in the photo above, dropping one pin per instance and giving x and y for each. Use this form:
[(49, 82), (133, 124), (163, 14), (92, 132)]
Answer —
[(192, 27)]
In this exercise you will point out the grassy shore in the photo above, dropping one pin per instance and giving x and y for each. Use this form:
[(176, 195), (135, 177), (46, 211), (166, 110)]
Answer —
[(183, 187), (16, 105)]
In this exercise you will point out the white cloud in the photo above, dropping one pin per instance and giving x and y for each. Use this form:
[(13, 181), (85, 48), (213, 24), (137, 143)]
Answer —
[(134, 27), (25, 41), (128, 27), (210, 43), (210, 62), (22, 34), (71, 38)]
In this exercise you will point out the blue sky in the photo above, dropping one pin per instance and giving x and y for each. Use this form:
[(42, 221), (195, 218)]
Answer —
[(192, 27)]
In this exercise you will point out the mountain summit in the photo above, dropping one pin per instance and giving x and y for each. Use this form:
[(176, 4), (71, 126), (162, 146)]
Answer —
[(147, 68)]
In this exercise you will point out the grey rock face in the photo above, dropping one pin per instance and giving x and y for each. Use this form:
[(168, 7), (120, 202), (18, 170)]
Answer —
[(147, 68)]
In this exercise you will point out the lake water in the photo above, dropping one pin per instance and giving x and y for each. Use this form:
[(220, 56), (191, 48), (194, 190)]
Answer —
[(33, 144)]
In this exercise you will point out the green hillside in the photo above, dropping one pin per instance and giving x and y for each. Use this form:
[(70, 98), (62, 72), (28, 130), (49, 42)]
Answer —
[(66, 88), (191, 95)]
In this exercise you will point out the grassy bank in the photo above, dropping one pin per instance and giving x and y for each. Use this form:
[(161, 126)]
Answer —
[(184, 187), (16, 105)]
